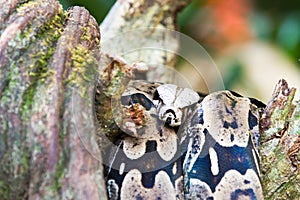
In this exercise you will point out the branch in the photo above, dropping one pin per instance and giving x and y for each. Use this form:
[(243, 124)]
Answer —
[(280, 145)]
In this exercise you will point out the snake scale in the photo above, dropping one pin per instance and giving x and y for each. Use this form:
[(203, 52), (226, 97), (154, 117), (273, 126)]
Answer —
[(178, 144)]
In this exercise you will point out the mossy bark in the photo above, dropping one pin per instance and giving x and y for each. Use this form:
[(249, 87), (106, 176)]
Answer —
[(48, 67), (280, 145)]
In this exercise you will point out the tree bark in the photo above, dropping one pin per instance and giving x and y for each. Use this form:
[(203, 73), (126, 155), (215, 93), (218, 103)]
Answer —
[(280, 145), (48, 66)]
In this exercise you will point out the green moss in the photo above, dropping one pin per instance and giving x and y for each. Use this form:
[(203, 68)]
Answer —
[(83, 62), (280, 118), (279, 185), (84, 69), (28, 5), (4, 190), (60, 169), (35, 47), (28, 57), (43, 49), (279, 179), (294, 128), (12, 90), (87, 36)]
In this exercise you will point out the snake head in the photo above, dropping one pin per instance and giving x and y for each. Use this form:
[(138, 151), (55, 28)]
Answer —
[(170, 115), (171, 102)]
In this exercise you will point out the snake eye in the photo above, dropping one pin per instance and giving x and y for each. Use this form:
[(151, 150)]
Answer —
[(170, 118)]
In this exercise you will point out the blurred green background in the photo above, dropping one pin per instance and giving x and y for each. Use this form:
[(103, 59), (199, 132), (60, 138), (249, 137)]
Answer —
[(276, 21), (98, 8), (254, 43)]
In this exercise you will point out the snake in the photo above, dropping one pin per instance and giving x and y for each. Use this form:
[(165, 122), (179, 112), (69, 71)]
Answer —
[(180, 144)]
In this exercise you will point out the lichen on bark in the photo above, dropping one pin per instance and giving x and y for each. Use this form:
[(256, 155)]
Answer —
[(280, 145), (48, 64)]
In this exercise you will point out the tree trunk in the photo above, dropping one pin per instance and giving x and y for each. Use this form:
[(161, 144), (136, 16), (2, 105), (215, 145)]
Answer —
[(48, 66)]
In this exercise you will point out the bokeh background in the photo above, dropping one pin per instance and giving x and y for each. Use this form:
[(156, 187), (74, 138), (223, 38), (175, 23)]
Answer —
[(253, 43)]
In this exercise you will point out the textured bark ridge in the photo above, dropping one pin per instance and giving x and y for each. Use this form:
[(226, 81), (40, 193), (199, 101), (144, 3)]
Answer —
[(136, 25), (48, 66), (280, 145)]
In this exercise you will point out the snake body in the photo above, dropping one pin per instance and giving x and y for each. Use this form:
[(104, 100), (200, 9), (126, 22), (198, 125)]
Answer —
[(179, 145)]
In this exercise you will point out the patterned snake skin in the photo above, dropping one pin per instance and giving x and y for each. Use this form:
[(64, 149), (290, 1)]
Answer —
[(178, 144)]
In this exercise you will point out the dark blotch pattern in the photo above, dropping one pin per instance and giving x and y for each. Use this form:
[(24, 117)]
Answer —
[(237, 158), (151, 146), (231, 137), (249, 192), (197, 118), (236, 94), (233, 124), (137, 98), (258, 103), (252, 120)]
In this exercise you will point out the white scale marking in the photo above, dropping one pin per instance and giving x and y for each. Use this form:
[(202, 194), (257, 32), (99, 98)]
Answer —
[(122, 167), (214, 161), (174, 169)]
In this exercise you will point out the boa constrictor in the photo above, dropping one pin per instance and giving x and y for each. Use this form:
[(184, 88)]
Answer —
[(178, 144)]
